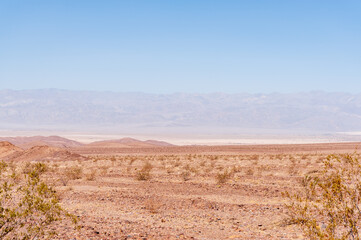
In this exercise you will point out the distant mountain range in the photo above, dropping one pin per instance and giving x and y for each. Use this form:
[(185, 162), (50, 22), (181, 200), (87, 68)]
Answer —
[(60, 142), (311, 111)]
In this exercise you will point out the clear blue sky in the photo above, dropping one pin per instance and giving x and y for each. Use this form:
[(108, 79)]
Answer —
[(181, 46)]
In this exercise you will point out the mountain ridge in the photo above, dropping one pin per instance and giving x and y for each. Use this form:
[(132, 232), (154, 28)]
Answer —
[(313, 111)]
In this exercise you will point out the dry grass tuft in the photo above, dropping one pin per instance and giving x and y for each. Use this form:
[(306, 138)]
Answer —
[(144, 173), (223, 177)]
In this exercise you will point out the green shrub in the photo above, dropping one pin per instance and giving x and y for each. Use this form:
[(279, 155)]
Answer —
[(328, 207), (28, 207)]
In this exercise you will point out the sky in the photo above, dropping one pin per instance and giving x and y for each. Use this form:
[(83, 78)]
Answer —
[(194, 46)]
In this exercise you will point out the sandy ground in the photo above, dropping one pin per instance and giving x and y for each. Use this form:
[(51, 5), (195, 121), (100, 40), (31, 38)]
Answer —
[(179, 193), (190, 192)]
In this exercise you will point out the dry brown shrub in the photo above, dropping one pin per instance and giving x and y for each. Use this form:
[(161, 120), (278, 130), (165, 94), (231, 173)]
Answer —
[(223, 177), (236, 169), (104, 169), (70, 173), (132, 160), (254, 157), (176, 163), (90, 176), (152, 205), (250, 172), (169, 170), (144, 173), (185, 175), (74, 172)]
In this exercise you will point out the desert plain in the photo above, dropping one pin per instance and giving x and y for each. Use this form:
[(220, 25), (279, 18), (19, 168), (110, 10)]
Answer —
[(132, 189)]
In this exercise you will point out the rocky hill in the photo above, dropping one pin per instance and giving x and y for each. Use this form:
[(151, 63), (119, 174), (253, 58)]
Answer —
[(52, 141), (7, 149)]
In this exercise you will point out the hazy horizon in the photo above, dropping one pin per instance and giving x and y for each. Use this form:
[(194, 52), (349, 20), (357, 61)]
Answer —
[(184, 116)]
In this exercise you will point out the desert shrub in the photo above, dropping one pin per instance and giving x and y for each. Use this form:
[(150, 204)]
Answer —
[(144, 173), (293, 170), (152, 205), (104, 169), (28, 208), (90, 176), (176, 163), (74, 172), (39, 167), (70, 173), (254, 157), (185, 175), (328, 207), (169, 170), (132, 160), (236, 169), (223, 177), (113, 159), (250, 172)]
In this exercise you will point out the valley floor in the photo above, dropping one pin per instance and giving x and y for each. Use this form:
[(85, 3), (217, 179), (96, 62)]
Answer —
[(184, 192)]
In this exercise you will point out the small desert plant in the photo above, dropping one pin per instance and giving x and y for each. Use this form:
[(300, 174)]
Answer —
[(113, 159), (104, 169), (74, 172), (176, 163), (185, 175), (254, 157), (293, 170), (329, 205), (235, 169), (132, 160), (250, 172), (169, 170), (71, 173), (29, 208), (152, 206), (223, 177), (90, 176), (40, 167), (202, 164), (144, 173)]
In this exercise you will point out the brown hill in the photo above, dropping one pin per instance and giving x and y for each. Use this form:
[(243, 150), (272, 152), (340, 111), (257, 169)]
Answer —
[(128, 143), (52, 141), (40, 153), (7, 149), (159, 143)]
